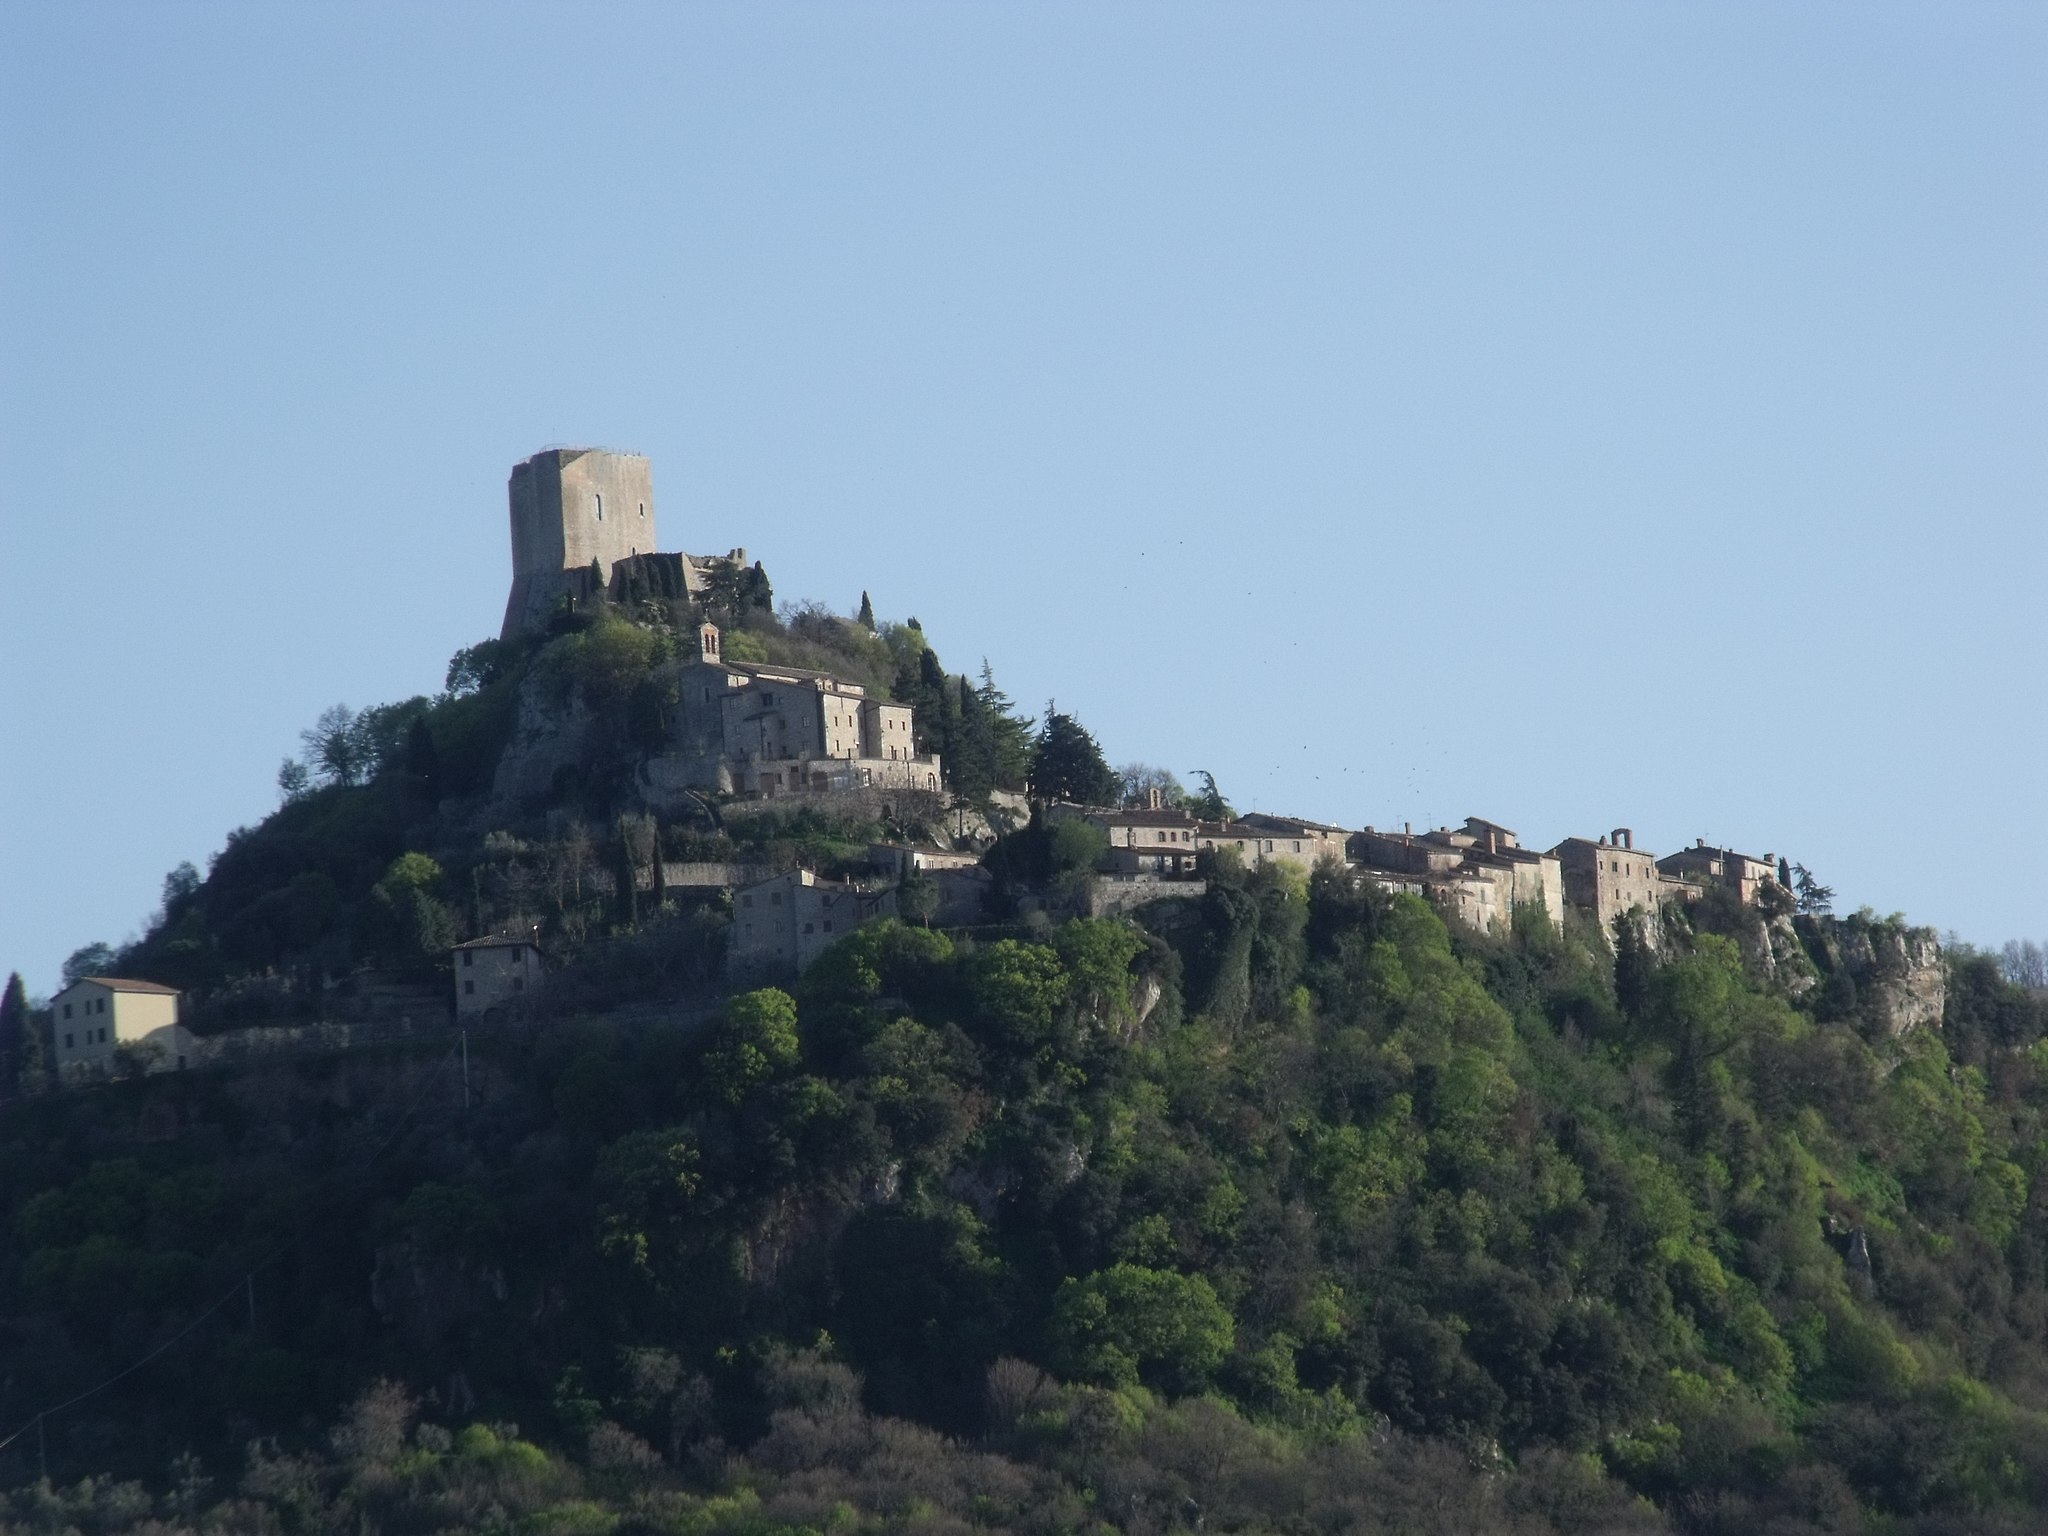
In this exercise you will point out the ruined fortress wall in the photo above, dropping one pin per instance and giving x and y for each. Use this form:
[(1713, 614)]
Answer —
[(570, 506)]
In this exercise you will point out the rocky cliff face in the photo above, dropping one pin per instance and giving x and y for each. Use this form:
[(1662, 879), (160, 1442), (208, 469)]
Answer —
[(548, 737), (1891, 974)]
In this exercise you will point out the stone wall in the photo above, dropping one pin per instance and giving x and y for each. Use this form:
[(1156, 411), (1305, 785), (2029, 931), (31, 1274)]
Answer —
[(568, 507)]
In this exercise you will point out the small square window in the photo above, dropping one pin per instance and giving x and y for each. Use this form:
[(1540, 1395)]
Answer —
[(469, 957), (469, 988), (67, 1042), (67, 1011)]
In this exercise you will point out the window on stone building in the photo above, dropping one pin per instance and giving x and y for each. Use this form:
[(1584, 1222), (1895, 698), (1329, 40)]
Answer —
[(600, 506), (468, 957), (67, 1042), (67, 1010), (643, 509), (469, 988)]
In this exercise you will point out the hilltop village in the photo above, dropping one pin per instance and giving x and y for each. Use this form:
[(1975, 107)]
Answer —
[(583, 526), (733, 735), (707, 1025)]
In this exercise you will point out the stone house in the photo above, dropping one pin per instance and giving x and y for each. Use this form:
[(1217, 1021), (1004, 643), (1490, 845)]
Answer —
[(1162, 841), (1289, 839), (1608, 876), (502, 971), (96, 1015), (1143, 840), (1259, 839), (1479, 873), (1738, 872), (962, 885), (781, 924), (754, 729)]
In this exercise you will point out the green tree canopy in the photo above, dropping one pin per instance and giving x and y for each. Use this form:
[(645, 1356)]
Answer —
[(1066, 763), (1128, 1323), (757, 1041)]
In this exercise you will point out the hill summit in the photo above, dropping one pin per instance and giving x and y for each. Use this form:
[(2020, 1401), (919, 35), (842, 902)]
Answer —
[(715, 1068)]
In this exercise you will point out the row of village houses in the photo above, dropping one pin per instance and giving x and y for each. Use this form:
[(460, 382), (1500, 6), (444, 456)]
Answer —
[(1478, 873), (783, 919)]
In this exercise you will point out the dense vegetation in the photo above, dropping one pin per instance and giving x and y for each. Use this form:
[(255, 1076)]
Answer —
[(1284, 1208), (1302, 1210)]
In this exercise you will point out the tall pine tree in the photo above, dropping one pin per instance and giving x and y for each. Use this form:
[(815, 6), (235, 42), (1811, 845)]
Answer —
[(972, 766), (1066, 764), (1010, 742)]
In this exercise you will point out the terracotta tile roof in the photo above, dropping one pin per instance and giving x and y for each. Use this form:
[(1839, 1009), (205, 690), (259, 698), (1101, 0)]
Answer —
[(123, 984)]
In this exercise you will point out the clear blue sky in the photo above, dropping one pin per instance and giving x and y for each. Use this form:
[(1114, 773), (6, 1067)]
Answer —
[(1580, 416)]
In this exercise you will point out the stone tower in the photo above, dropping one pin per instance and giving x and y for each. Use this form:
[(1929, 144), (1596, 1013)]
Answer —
[(571, 506)]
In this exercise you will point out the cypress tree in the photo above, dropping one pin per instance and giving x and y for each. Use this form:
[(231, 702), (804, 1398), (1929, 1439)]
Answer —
[(867, 613), (22, 1060)]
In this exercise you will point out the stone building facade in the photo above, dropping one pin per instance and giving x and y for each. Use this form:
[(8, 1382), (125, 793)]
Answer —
[(1738, 872), (1262, 839), (781, 924), (1160, 840), (502, 972), (1606, 877), (569, 507), (755, 729), (1479, 873)]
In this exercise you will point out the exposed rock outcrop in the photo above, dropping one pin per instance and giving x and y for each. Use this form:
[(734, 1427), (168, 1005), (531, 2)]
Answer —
[(549, 737), (1879, 969)]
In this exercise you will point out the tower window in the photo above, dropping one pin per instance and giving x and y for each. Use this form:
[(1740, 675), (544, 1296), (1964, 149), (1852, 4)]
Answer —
[(600, 506), (643, 509)]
